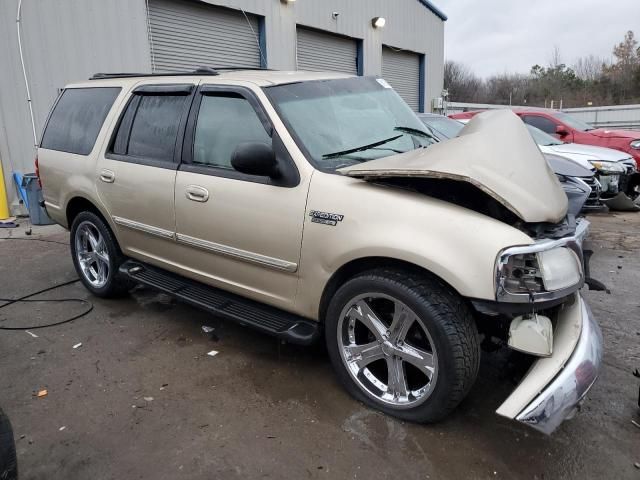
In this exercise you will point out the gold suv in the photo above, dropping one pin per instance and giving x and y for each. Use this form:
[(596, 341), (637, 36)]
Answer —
[(318, 204)]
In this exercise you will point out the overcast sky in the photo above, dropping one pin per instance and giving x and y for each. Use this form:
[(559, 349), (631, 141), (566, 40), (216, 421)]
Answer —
[(497, 36)]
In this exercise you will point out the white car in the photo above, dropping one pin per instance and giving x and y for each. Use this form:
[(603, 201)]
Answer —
[(613, 167)]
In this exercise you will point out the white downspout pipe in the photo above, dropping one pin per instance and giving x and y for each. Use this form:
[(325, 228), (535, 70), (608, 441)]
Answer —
[(24, 73)]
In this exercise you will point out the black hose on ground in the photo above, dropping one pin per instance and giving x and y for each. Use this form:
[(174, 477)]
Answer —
[(27, 298)]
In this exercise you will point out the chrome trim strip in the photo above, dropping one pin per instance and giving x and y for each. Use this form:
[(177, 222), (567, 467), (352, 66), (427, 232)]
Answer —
[(237, 253), (562, 397), (574, 242), (143, 227)]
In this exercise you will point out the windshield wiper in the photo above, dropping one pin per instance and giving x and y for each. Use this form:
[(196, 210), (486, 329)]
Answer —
[(360, 149), (419, 133)]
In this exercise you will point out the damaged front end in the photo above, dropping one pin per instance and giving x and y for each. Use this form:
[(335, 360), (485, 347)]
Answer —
[(537, 307)]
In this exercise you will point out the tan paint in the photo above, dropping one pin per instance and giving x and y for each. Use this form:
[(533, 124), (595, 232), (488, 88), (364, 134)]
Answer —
[(389, 222), (260, 222), (495, 153)]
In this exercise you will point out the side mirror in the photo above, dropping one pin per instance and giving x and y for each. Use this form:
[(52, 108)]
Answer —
[(562, 131), (255, 158)]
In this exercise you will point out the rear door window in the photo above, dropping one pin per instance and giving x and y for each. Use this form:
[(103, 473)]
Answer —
[(150, 125), (77, 118), (543, 123)]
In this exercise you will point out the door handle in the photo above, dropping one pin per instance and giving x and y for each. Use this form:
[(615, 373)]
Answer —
[(107, 176), (197, 193)]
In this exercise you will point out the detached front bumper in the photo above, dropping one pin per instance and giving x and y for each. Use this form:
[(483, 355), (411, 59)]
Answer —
[(554, 387)]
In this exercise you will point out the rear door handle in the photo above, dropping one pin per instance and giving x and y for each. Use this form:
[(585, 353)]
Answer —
[(197, 193), (107, 176)]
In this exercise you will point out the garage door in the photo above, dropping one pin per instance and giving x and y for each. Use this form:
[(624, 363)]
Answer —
[(402, 70), (186, 35), (320, 51)]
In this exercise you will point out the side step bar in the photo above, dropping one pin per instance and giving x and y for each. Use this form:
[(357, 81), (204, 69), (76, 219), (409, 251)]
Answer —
[(284, 325)]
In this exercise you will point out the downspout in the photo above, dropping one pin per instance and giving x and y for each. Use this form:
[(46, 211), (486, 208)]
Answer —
[(24, 73)]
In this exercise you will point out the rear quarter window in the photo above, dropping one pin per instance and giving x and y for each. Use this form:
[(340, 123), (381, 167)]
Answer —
[(77, 119)]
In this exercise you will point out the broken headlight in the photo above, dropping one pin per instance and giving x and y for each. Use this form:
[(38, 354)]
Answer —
[(538, 275)]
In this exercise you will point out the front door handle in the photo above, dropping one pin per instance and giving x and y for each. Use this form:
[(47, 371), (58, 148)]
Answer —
[(197, 193), (107, 176)]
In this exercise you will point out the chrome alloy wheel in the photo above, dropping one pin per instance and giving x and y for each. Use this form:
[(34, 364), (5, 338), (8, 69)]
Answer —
[(387, 350), (92, 254)]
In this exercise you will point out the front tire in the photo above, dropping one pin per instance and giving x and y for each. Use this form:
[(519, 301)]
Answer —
[(96, 256), (402, 343)]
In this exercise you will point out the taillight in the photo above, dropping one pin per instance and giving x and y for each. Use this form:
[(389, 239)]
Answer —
[(38, 172)]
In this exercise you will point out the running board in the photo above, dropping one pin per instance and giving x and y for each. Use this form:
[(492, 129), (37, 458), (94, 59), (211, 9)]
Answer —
[(270, 320)]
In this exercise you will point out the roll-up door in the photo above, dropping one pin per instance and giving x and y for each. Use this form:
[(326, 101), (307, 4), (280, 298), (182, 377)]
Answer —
[(321, 51), (187, 34), (402, 70)]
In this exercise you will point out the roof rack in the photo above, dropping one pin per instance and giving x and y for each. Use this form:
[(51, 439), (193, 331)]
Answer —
[(198, 71)]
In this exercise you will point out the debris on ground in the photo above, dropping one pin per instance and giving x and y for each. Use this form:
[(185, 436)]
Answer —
[(637, 465), (62, 428), (164, 385), (32, 334), (207, 329), (77, 345), (42, 393), (635, 423), (148, 399), (212, 353)]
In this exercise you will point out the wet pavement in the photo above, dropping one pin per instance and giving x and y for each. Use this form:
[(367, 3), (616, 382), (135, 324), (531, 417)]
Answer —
[(141, 399)]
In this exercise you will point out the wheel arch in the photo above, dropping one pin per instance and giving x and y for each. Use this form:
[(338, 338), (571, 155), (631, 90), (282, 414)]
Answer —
[(78, 204), (359, 265)]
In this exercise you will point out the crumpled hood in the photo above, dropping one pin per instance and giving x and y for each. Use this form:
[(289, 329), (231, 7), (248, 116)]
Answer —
[(606, 133), (589, 152), (495, 153)]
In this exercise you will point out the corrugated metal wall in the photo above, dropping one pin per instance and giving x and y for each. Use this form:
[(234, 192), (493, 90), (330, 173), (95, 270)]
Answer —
[(187, 35), (402, 70), (68, 40), (318, 51), (63, 40)]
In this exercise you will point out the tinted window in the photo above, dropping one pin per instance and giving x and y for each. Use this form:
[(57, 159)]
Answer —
[(77, 118), (542, 123), (154, 128), (223, 123)]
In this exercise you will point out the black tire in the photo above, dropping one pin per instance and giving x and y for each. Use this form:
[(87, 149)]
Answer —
[(8, 462), (449, 323), (115, 285)]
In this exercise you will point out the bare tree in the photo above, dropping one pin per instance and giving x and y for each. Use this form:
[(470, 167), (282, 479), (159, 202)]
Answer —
[(462, 84), (589, 68)]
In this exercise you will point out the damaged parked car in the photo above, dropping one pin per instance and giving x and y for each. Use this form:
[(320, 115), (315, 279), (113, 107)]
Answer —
[(617, 170), (577, 178), (312, 205)]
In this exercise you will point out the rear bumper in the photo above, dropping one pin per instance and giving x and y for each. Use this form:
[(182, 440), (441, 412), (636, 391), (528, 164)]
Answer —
[(554, 387)]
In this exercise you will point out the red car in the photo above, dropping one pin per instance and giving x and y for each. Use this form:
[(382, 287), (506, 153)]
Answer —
[(571, 130)]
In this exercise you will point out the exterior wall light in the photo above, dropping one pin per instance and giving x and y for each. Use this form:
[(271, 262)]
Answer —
[(378, 22)]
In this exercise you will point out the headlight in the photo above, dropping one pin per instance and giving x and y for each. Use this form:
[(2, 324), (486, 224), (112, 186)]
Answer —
[(561, 268), (545, 270), (607, 167), (635, 144)]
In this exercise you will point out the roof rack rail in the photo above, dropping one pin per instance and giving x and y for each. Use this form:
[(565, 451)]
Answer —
[(204, 70)]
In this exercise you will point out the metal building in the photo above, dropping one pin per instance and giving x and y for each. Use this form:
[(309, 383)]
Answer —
[(69, 40)]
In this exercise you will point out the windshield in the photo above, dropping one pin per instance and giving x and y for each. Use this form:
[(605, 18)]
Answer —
[(542, 138), (572, 122), (444, 127), (346, 121)]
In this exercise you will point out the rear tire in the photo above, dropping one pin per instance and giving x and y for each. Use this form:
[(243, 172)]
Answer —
[(402, 343), (97, 256), (8, 462)]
